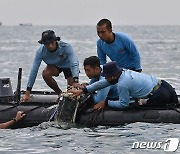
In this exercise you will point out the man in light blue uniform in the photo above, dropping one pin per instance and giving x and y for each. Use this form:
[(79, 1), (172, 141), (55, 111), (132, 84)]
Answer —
[(117, 46), (138, 85), (59, 57), (131, 84), (93, 71)]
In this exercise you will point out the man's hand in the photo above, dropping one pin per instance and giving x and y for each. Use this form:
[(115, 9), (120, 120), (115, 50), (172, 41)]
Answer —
[(19, 115), (83, 85), (26, 97), (76, 85), (100, 105), (75, 92), (142, 101)]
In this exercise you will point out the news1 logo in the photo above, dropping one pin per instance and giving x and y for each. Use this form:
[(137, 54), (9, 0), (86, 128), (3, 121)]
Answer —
[(170, 145)]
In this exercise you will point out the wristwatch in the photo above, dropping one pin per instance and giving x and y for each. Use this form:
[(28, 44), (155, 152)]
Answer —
[(76, 79), (106, 102)]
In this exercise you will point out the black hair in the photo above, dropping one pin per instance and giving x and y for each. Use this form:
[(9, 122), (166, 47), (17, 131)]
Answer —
[(93, 61), (106, 22)]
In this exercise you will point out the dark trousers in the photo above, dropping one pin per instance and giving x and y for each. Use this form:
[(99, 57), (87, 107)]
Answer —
[(165, 94)]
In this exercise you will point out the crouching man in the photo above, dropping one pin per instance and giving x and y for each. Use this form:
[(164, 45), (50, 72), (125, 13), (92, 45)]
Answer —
[(59, 57), (138, 85)]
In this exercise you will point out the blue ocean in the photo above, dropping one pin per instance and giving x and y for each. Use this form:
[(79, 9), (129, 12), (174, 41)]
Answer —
[(159, 49)]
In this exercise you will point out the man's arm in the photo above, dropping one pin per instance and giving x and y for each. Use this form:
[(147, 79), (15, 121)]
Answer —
[(131, 47), (8, 124), (91, 88), (34, 70), (74, 63), (100, 105), (98, 85), (123, 101), (101, 95), (100, 53), (33, 74)]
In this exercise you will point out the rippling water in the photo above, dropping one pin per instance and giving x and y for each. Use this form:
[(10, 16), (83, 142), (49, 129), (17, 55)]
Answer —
[(160, 51)]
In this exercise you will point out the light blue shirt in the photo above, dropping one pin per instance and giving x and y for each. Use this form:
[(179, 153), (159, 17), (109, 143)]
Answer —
[(63, 57), (102, 94), (122, 50), (133, 84), (98, 85)]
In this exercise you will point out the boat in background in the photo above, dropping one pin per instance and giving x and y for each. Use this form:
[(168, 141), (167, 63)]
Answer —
[(25, 24)]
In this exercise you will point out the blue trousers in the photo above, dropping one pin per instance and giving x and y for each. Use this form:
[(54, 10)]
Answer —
[(165, 94)]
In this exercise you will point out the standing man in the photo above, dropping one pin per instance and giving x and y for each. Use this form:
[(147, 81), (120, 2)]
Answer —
[(117, 46), (59, 57)]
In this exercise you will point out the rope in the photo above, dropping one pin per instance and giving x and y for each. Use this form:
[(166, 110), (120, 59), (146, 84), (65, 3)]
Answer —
[(28, 111), (53, 114), (9, 108)]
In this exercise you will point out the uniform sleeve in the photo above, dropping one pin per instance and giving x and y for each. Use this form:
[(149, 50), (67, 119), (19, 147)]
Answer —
[(132, 49), (129, 44), (98, 85), (34, 69), (123, 101), (74, 63), (100, 53), (101, 95)]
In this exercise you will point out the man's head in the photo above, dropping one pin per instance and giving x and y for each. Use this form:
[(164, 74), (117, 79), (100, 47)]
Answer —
[(104, 30), (111, 71), (49, 39), (92, 67)]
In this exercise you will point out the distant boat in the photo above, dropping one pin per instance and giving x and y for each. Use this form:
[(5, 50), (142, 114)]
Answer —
[(0, 23), (25, 24)]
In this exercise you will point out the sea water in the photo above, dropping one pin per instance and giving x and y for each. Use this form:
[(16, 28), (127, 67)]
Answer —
[(160, 51)]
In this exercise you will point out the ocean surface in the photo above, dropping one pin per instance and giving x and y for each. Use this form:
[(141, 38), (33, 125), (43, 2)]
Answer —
[(160, 56)]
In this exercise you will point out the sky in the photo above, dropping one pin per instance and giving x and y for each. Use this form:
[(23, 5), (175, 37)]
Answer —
[(89, 12)]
